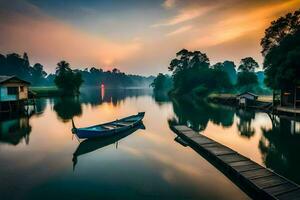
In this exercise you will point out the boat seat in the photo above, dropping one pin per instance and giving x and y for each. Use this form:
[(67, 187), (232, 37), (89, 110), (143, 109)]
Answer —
[(121, 124), (109, 126)]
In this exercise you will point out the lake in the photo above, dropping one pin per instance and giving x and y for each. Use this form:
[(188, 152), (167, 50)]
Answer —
[(37, 161)]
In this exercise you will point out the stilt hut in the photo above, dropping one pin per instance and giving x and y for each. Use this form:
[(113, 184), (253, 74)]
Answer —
[(13, 93)]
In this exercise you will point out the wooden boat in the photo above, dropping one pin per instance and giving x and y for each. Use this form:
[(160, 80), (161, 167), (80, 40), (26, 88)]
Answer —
[(90, 145), (110, 128)]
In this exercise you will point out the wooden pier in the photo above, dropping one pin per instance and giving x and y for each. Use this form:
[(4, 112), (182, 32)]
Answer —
[(257, 181)]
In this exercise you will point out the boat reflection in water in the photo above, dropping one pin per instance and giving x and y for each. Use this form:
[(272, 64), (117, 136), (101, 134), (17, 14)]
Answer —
[(90, 145)]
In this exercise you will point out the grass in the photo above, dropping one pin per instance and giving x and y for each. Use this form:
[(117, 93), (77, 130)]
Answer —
[(262, 98), (50, 91)]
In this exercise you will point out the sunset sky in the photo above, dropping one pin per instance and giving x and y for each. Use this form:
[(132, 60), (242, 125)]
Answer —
[(136, 36)]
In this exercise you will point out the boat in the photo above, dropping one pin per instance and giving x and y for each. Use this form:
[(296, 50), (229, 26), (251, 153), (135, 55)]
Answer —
[(90, 145), (110, 128)]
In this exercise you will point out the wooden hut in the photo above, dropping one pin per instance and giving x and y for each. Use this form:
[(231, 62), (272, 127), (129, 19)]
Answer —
[(290, 100), (13, 92), (246, 99), (290, 97)]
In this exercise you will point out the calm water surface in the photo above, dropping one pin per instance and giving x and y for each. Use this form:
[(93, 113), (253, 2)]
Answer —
[(37, 161)]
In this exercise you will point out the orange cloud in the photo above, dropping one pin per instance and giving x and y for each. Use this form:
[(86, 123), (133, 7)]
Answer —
[(50, 40), (180, 30), (184, 15)]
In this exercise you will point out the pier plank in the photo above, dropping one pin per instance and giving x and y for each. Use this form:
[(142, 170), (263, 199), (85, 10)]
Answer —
[(190, 134), (247, 167), (281, 189), (202, 141), (293, 195), (258, 173), (232, 158), (220, 150), (253, 176), (241, 163)]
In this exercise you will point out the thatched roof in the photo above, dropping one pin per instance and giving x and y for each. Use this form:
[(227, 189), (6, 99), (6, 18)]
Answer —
[(4, 79)]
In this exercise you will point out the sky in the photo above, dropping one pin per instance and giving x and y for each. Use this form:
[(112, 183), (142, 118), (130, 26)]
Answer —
[(135, 36)]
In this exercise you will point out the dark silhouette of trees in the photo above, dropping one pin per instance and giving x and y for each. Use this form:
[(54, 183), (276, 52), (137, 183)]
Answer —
[(191, 73), (38, 74), (229, 68), (66, 79), (247, 79), (248, 64), (113, 79), (162, 83), (16, 65), (279, 29), (282, 65)]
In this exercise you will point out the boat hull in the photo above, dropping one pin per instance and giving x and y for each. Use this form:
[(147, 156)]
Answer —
[(89, 133)]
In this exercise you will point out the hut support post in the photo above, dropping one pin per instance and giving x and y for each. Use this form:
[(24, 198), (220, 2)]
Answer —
[(295, 97)]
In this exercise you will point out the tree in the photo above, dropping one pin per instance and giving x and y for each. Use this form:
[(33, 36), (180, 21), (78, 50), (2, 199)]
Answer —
[(281, 52), (186, 67), (229, 68), (245, 79), (191, 74), (162, 83), (248, 64), (282, 63), (38, 74), (279, 29), (67, 80)]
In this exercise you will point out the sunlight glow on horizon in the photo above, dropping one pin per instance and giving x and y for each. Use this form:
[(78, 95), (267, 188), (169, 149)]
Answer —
[(227, 30)]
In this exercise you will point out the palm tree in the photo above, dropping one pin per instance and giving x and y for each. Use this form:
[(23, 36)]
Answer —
[(62, 67)]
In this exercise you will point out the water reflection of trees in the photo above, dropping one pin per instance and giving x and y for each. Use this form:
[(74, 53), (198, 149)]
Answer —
[(14, 130), (94, 96), (244, 124), (280, 147), (197, 115), (161, 97), (68, 107)]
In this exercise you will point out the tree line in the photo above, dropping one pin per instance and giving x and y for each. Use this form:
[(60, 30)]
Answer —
[(193, 73), (17, 65)]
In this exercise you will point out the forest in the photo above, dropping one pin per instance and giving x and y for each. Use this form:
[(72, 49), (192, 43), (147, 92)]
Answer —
[(16, 65), (192, 72)]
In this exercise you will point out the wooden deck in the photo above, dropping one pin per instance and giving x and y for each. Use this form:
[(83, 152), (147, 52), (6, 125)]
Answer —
[(255, 180), (288, 110)]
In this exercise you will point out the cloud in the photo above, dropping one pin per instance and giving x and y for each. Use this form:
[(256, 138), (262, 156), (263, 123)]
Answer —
[(169, 4), (183, 15), (123, 38), (45, 38), (238, 24), (180, 30)]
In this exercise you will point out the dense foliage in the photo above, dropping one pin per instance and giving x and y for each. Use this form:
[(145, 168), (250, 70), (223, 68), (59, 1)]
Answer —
[(279, 29), (281, 48), (113, 79), (66, 79), (247, 79), (15, 65), (248, 64), (192, 73), (162, 83), (229, 68)]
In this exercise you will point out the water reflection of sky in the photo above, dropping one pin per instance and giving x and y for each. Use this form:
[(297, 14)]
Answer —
[(147, 164), (36, 152)]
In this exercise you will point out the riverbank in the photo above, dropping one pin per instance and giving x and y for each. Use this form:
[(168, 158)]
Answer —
[(50, 91)]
